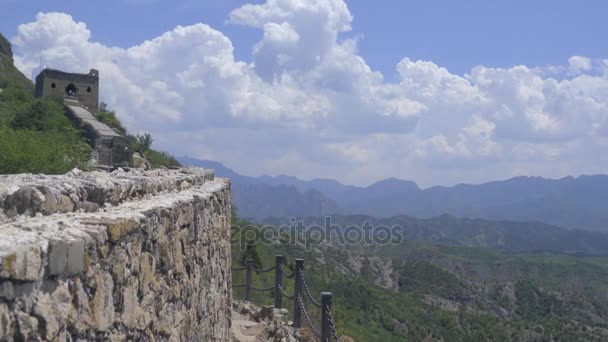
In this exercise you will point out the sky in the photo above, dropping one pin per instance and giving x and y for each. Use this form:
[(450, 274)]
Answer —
[(438, 92)]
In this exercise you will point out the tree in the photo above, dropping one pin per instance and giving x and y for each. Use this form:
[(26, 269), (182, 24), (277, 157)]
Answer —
[(144, 142)]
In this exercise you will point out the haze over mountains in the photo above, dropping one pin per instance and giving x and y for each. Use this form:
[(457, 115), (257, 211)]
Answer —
[(569, 202)]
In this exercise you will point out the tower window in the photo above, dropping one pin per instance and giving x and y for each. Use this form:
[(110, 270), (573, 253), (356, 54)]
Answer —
[(53, 85), (88, 89)]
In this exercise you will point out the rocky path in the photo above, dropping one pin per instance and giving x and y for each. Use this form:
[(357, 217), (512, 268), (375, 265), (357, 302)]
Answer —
[(254, 324)]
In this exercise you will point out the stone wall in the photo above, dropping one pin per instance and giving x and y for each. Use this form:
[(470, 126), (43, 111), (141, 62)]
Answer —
[(115, 256)]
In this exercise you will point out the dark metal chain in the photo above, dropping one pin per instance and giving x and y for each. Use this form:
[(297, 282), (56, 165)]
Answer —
[(307, 319), (263, 289), (288, 275), (285, 294), (239, 268), (308, 292), (260, 288), (332, 324), (286, 332), (264, 270)]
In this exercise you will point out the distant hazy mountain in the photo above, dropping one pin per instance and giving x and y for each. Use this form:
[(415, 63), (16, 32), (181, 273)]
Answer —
[(256, 199), (570, 202)]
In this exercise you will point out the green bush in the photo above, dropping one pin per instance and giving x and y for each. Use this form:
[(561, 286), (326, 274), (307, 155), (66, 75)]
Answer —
[(160, 159), (42, 115), (50, 152), (13, 101), (108, 117)]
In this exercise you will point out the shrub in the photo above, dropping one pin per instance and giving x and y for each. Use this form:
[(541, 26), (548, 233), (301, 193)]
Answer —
[(49, 152), (108, 117), (160, 159)]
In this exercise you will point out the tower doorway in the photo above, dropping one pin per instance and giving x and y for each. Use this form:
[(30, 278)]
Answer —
[(71, 90)]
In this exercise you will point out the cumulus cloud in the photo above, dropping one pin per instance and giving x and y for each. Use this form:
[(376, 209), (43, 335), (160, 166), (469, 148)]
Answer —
[(578, 64), (308, 104)]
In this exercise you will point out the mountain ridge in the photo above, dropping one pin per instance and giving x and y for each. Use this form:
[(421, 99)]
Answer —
[(10, 76), (570, 202)]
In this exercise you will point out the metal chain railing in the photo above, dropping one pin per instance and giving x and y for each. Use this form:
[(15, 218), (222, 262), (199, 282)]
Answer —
[(311, 298), (307, 319), (328, 331)]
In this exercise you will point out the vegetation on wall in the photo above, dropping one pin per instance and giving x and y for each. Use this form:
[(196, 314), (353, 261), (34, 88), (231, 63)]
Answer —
[(108, 117)]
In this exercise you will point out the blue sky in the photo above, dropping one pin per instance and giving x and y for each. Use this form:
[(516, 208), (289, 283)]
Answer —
[(456, 34), (438, 92)]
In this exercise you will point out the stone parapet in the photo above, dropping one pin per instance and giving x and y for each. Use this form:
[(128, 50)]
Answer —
[(115, 256)]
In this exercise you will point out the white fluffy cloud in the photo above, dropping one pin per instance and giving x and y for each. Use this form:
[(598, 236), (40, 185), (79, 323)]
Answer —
[(309, 105), (578, 64)]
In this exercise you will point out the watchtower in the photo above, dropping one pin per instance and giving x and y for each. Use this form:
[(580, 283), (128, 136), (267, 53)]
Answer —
[(83, 88), (80, 94)]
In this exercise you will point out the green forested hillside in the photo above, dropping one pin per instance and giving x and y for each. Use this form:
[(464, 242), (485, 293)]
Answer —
[(418, 291)]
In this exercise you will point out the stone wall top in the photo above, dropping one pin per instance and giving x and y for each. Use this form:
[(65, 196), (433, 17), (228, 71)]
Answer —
[(29, 195), (39, 211)]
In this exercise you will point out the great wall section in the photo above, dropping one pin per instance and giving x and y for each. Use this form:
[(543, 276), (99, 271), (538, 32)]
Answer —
[(126, 255)]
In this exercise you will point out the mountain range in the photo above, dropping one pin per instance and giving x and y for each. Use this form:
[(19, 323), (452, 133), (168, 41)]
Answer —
[(571, 202)]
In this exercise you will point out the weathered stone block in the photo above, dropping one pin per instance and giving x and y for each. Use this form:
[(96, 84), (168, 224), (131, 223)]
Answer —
[(87, 207), (7, 322), (28, 325), (54, 310), (102, 305), (57, 258), (120, 228), (75, 260), (25, 263), (25, 201), (65, 257)]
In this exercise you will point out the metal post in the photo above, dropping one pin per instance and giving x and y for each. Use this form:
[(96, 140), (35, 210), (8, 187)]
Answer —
[(278, 281), (297, 311), (325, 309), (249, 279)]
